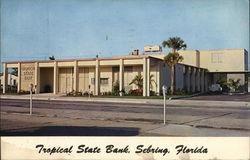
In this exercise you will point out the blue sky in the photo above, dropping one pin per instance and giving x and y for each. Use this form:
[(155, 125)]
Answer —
[(37, 29)]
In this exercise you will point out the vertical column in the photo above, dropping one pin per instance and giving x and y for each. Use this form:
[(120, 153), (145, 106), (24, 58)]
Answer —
[(205, 81), (193, 79), (55, 85), (188, 82), (198, 80), (158, 79), (148, 76), (37, 78), (19, 77), (76, 75), (5, 78), (202, 80), (97, 78), (121, 76), (144, 77)]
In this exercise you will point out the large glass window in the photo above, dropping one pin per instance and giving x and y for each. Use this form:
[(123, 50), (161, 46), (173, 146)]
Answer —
[(104, 81)]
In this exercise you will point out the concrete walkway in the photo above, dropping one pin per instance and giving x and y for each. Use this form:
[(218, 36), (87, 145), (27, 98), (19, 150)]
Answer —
[(174, 102)]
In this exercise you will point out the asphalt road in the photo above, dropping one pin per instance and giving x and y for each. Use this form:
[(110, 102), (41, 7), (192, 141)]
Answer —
[(208, 117)]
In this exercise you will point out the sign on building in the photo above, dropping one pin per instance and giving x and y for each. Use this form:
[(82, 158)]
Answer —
[(27, 75)]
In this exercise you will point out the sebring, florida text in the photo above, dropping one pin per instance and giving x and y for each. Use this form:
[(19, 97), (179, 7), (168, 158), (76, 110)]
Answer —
[(117, 150)]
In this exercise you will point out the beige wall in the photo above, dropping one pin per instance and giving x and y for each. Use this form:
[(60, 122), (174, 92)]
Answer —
[(223, 60), (216, 60)]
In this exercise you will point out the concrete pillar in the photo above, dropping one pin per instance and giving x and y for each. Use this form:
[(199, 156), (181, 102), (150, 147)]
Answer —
[(148, 76), (121, 76), (5, 78), (19, 77), (144, 77), (193, 79), (37, 78), (198, 80), (158, 74), (97, 77), (206, 81), (188, 81), (202, 80), (55, 83), (76, 76)]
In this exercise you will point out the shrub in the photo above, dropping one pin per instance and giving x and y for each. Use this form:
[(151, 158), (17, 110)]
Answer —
[(106, 93), (74, 93), (180, 92), (116, 88), (136, 92), (153, 93)]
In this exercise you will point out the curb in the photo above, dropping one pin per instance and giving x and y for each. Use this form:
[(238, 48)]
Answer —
[(176, 102), (189, 96)]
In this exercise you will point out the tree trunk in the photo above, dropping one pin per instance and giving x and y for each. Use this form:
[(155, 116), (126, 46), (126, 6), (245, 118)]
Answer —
[(172, 80)]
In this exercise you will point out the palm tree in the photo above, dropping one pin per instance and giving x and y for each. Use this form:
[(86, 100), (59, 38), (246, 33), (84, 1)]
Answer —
[(233, 84), (52, 58), (138, 81), (175, 43), (152, 81)]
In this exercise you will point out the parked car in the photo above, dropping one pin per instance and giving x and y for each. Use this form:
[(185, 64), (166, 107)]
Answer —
[(215, 88)]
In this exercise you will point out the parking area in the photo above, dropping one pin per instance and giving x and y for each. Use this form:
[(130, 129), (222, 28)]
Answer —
[(220, 97)]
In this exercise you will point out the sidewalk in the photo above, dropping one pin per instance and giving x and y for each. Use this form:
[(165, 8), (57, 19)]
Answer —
[(174, 102)]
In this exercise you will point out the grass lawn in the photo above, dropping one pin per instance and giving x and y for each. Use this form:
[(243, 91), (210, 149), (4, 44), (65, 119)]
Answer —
[(141, 97)]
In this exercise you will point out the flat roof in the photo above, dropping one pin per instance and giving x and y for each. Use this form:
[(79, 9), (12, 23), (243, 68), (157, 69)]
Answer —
[(88, 59)]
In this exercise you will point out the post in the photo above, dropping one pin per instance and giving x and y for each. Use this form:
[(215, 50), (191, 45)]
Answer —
[(144, 77), (76, 75), (158, 86), (55, 78), (148, 76), (121, 77), (31, 87), (37, 78), (19, 77), (5, 78), (97, 77), (164, 95)]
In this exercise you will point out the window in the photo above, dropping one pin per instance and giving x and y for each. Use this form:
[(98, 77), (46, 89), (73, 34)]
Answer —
[(115, 69), (216, 57), (104, 81)]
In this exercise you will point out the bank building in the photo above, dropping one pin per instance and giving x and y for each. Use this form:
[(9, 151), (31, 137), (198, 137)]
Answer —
[(198, 70)]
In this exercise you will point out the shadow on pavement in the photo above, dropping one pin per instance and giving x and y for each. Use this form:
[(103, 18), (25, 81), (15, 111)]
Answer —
[(73, 131)]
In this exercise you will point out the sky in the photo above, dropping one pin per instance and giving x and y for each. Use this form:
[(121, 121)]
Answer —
[(68, 29)]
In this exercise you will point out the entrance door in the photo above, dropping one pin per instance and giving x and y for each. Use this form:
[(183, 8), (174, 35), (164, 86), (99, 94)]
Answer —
[(65, 80), (83, 79)]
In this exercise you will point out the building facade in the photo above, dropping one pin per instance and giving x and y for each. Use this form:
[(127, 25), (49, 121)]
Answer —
[(100, 75)]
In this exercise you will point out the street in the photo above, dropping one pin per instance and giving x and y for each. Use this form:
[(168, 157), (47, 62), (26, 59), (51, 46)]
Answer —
[(72, 118)]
